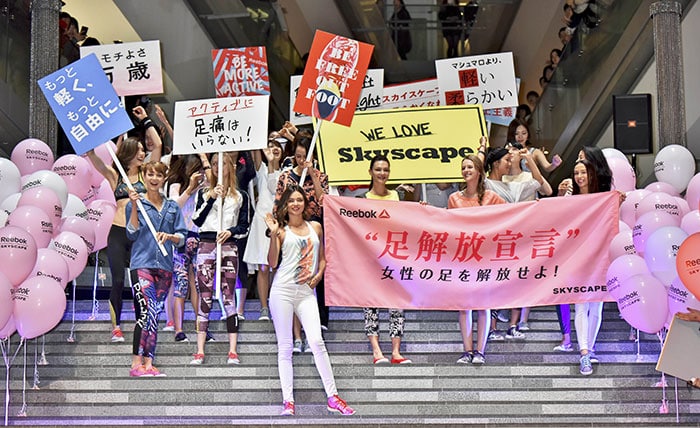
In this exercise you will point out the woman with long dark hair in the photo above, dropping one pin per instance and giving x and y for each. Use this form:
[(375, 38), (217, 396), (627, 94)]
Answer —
[(303, 261)]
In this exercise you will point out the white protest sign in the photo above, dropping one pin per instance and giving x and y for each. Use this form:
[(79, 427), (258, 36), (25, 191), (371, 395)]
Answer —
[(488, 80), (294, 117), (132, 68), (422, 93), (372, 90), (221, 124)]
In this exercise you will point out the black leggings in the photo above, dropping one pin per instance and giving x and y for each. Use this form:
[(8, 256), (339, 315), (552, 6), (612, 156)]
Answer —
[(119, 255)]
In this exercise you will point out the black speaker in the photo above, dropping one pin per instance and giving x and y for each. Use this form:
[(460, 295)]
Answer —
[(632, 119)]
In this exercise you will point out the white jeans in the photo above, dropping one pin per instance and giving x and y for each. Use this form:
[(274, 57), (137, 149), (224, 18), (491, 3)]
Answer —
[(587, 321), (286, 300)]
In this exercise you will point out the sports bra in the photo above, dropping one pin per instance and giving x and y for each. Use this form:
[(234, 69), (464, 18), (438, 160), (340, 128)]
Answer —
[(122, 191)]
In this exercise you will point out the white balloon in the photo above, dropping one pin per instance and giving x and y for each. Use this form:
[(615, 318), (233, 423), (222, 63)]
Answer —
[(660, 252), (10, 203), (75, 207), (675, 165), (49, 179), (10, 178)]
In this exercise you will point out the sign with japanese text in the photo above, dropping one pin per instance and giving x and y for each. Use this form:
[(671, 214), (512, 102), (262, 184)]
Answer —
[(333, 78), (85, 104), (488, 80), (422, 144), (423, 93), (502, 116), (546, 252), (220, 124), (240, 72), (372, 90), (132, 68)]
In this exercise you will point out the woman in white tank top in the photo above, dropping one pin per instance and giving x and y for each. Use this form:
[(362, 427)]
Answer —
[(301, 269)]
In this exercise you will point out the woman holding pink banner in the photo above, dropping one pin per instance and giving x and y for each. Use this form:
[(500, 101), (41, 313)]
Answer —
[(300, 270), (473, 193), (379, 171)]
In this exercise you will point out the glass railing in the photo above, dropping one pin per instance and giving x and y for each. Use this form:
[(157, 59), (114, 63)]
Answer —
[(257, 24), (580, 67)]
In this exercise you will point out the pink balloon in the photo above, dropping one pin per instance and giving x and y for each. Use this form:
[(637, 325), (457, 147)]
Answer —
[(39, 304), (101, 214), (660, 252), (90, 196), (83, 228), (660, 186), (622, 244), (106, 193), (691, 222), (102, 153), (51, 264), (643, 302), (9, 328), (17, 253), (622, 226), (680, 298), (35, 221), (32, 155), (624, 178), (620, 269), (692, 193), (682, 205), (45, 198), (74, 252), (76, 172), (647, 224), (658, 201), (6, 305)]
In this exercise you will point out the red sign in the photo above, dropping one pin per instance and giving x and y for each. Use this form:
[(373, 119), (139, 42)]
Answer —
[(240, 72), (333, 78)]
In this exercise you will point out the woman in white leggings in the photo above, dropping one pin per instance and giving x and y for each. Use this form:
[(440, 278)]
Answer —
[(300, 270)]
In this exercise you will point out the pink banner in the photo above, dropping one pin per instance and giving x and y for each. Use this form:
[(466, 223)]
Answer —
[(405, 255)]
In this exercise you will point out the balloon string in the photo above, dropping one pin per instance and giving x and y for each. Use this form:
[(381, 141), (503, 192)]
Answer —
[(7, 376), (23, 410), (36, 383), (71, 337), (675, 386), (95, 304)]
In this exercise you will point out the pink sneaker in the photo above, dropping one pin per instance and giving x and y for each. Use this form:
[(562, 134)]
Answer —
[(288, 408), (153, 371), (138, 371), (337, 404)]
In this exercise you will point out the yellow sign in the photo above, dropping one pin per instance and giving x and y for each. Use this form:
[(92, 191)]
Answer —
[(423, 145)]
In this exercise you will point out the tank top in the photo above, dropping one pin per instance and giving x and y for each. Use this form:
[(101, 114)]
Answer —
[(299, 257), (122, 191)]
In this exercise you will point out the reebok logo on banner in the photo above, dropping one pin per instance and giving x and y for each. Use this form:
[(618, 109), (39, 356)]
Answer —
[(384, 214)]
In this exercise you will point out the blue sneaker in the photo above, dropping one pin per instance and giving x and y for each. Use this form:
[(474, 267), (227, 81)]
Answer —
[(586, 366)]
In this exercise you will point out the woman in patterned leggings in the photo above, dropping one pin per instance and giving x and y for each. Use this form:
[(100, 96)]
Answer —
[(155, 271)]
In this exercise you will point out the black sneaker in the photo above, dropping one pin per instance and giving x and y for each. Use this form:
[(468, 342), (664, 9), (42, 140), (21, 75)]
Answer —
[(210, 337), (181, 337)]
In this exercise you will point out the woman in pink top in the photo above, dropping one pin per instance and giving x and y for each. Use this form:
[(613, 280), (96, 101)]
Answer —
[(473, 194)]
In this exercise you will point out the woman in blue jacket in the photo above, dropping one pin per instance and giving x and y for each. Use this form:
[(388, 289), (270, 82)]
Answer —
[(155, 271)]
